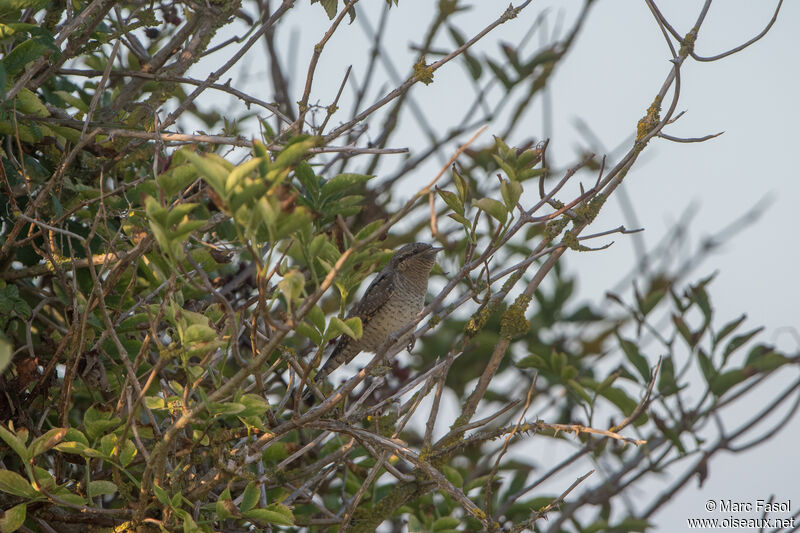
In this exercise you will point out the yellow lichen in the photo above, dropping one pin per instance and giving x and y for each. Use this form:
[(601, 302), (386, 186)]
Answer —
[(688, 43), (422, 72), (513, 321), (477, 322), (555, 227), (587, 211), (570, 240), (649, 121)]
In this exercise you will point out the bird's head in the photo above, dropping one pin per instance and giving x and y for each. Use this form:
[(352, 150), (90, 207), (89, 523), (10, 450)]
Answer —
[(415, 258)]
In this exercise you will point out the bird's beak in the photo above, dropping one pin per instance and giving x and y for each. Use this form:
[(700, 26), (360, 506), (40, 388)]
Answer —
[(436, 249)]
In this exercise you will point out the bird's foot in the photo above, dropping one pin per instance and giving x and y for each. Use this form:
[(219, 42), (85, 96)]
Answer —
[(380, 370), (411, 343)]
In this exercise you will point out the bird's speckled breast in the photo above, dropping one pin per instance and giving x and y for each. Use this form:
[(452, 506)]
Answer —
[(398, 311)]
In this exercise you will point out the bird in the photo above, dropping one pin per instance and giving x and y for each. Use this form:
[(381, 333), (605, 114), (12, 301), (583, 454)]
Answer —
[(391, 301)]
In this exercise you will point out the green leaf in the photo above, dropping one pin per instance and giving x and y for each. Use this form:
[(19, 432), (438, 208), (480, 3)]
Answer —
[(277, 452), (9, 6), (108, 443), (76, 448), (355, 326), (128, 452), (330, 7), (325, 264), (73, 435), (250, 497), (46, 441), (13, 483), (729, 328), (607, 382), (155, 402), (236, 175), (73, 100), (29, 103), (227, 408), (706, 366), (578, 389), (479, 481), (289, 156), (177, 178), (683, 329), (558, 360), (22, 54), (492, 207), (291, 286), (723, 382), (15, 443), (453, 476), (309, 180), (101, 488), (666, 380), (625, 403), (267, 212), (460, 219), (98, 423), (671, 433), (452, 200), (5, 354), (272, 514), (635, 357), (336, 326), (28, 132), (13, 518), (225, 505), (511, 191), (21, 308), (529, 158), (69, 497), (341, 183), (254, 405), (651, 300), (161, 495), (500, 74), (155, 211), (44, 479), (509, 170), (177, 213), (212, 171), (700, 297), (307, 331), (739, 341), (317, 317), (9, 30), (461, 184), (445, 523), (293, 223), (764, 358), (189, 525), (533, 361), (259, 148)]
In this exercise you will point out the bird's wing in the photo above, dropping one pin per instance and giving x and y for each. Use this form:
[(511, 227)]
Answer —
[(376, 295)]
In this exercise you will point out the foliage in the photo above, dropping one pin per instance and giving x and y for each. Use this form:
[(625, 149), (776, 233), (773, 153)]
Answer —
[(165, 301)]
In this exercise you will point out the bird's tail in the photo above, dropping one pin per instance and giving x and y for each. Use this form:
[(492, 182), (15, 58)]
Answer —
[(342, 353), (308, 395)]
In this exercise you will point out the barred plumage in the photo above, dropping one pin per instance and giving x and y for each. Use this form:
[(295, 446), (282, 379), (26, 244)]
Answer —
[(390, 302)]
